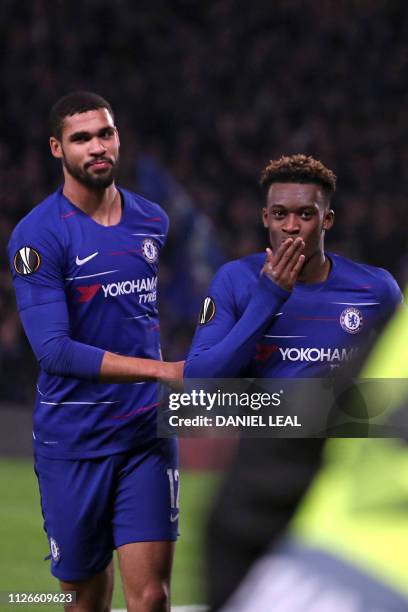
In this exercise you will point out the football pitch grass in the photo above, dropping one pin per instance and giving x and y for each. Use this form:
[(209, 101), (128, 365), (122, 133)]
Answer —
[(23, 543)]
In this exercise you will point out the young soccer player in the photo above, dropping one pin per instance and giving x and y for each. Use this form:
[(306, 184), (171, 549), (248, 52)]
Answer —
[(299, 312), (84, 265), (303, 310)]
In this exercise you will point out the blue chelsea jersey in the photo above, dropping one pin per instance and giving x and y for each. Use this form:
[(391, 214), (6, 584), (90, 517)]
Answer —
[(251, 327), (98, 285)]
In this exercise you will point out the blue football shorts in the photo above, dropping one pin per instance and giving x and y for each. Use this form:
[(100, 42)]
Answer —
[(93, 506)]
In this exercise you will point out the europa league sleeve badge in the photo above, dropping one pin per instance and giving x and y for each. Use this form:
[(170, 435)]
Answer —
[(207, 311), (26, 261)]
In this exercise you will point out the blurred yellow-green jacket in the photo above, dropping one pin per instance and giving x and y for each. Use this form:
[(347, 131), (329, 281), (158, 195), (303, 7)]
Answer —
[(357, 507)]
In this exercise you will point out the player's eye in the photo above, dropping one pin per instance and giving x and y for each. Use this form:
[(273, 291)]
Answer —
[(80, 138), (277, 214), (107, 133), (306, 214)]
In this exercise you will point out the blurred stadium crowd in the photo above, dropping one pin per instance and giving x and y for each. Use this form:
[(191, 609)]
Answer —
[(205, 93)]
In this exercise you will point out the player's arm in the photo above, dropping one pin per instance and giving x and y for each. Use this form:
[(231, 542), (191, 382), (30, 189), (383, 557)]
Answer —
[(119, 369), (224, 345), (44, 314), (47, 329)]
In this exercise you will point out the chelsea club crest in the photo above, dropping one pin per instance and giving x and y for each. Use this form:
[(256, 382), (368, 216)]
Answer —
[(55, 550), (150, 250), (351, 320)]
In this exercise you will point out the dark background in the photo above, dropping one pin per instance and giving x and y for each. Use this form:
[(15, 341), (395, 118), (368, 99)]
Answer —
[(205, 93)]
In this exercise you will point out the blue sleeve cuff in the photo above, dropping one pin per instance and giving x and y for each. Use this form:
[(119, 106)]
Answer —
[(47, 329), (85, 362)]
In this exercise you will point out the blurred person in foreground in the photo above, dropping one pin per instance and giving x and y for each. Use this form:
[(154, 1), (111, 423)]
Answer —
[(302, 312), (345, 550), (84, 265)]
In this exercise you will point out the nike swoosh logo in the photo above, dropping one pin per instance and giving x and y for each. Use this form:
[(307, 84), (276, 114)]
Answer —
[(174, 518), (80, 262)]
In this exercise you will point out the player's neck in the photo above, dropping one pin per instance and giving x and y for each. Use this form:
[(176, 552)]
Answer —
[(103, 205), (316, 269)]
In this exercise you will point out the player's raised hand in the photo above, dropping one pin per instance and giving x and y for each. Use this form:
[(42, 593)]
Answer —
[(284, 266)]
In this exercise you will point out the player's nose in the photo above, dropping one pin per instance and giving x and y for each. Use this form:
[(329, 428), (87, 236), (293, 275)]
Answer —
[(291, 224), (97, 146)]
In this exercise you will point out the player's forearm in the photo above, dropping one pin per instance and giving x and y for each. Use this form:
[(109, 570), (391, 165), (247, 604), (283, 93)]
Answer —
[(226, 358), (48, 332), (121, 369)]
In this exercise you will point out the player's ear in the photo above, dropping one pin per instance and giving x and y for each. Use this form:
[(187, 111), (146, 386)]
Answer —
[(55, 146), (328, 219), (265, 217)]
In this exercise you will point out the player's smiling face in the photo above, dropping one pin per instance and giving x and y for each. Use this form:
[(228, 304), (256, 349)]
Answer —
[(297, 209), (89, 148)]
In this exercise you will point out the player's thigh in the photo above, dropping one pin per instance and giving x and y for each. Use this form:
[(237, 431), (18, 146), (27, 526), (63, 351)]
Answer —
[(94, 594), (76, 502), (146, 569), (146, 504)]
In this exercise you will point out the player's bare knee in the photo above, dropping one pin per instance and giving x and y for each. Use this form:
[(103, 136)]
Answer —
[(156, 598), (153, 598)]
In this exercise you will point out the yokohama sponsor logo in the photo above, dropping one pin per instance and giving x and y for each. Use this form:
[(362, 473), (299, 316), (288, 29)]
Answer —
[(145, 285), (318, 354), (130, 286)]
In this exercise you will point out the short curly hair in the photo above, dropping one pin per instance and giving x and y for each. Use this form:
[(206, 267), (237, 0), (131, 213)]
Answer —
[(298, 169), (72, 103)]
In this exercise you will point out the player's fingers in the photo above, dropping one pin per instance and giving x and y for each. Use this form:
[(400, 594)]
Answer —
[(279, 267), (287, 249), (266, 262), (286, 275), (297, 268), (289, 256), (267, 267), (282, 249), (269, 255), (293, 262)]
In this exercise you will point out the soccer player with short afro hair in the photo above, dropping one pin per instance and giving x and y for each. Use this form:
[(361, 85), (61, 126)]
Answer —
[(298, 168), (299, 311)]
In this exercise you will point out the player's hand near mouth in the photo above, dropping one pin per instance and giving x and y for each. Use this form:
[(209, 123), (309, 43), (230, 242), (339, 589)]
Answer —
[(283, 267)]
